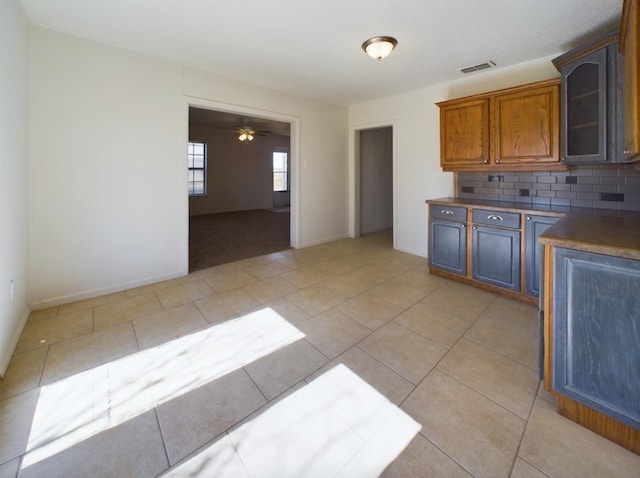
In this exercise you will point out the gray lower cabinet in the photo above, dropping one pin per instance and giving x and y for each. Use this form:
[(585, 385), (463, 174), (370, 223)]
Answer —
[(448, 246), (496, 256), (596, 332), (534, 252)]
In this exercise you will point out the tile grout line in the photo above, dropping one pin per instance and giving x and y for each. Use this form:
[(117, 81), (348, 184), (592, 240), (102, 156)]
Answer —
[(164, 443), (524, 431)]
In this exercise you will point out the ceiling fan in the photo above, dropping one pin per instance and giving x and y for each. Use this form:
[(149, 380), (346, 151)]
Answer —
[(247, 134)]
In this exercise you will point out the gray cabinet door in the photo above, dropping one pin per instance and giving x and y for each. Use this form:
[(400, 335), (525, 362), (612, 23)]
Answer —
[(596, 332), (534, 252), (448, 246), (591, 121), (496, 256)]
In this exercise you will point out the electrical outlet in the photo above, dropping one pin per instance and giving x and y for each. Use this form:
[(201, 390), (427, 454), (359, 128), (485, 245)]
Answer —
[(11, 290)]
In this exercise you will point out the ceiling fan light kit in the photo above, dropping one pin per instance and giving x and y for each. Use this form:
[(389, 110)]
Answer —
[(245, 136), (246, 133), (379, 47)]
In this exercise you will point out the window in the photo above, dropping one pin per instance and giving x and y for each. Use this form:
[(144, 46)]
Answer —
[(280, 171), (197, 162)]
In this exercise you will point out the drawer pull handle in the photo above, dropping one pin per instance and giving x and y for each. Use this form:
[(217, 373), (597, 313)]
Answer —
[(448, 212), (494, 217)]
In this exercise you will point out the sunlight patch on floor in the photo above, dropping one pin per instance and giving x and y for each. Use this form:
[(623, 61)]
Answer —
[(336, 426), (83, 405)]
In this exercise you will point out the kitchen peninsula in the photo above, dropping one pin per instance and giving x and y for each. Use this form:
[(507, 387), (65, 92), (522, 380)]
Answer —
[(592, 322), (587, 265)]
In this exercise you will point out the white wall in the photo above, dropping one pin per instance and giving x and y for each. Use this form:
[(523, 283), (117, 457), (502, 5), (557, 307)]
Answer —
[(318, 166), (14, 83), (108, 172), (417, 173), (108, 133), (108, 178), (239, 176)]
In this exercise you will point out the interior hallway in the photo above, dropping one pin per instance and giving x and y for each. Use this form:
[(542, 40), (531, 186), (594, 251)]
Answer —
[(136, 383)]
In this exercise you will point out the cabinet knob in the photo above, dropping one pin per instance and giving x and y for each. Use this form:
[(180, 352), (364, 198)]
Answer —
[(486, 161), (497, 160), (528, 218), (475, 228), (463, 226)]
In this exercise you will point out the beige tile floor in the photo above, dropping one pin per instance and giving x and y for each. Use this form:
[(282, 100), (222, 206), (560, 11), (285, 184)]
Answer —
[(457, 362)]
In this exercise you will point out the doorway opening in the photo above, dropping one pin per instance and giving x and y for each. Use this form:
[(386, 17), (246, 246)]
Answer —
[(236, 209), (373, 188)]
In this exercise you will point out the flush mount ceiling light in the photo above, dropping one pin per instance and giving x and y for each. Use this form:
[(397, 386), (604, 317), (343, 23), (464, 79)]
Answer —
[(379, 47)]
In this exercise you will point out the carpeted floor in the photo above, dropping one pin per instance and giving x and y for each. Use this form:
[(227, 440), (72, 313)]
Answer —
[(216, 239)]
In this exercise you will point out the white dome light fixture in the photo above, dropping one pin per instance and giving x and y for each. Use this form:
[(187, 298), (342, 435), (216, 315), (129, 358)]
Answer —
[(379, 47)]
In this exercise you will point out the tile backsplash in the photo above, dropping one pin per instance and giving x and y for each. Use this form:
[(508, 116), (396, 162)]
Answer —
[(593, 186)]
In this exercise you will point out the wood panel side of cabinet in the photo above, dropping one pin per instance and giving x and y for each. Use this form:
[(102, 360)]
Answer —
[(599, 423), (548, 318), (470, 243), (525, 126), (630, 49)]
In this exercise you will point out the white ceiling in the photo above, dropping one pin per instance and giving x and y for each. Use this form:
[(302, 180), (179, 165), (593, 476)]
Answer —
[(312, 47)]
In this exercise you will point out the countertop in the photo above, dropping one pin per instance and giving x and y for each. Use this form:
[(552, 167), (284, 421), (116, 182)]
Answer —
[(600, 231)]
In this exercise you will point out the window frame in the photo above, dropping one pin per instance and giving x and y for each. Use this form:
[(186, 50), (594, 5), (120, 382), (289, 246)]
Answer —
[(191, 168), (280, 172)]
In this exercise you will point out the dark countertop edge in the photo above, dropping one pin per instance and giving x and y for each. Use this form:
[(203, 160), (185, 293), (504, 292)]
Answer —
[(600, 231)]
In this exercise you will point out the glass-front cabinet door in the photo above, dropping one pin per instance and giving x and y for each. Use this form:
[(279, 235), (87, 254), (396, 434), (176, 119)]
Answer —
[(584, 120)]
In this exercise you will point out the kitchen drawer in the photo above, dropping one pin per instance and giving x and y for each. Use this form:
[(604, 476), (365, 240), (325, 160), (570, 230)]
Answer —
[(496, 218), (450, 213)]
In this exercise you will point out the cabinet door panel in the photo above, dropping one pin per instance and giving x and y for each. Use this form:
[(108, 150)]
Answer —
[(596, 332), (526, 126), (464, 133), (496, 256), (535, 225), (448, 246)]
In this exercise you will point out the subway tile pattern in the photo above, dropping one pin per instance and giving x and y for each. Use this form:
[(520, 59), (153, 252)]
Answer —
[(592, 186)]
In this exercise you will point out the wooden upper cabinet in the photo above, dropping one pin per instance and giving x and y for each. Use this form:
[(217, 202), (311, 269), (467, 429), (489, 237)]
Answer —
[(630, 49), (525, 127), (464, 133), (512, 129)]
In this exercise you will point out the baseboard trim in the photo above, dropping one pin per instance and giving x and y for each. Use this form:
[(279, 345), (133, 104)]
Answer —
[(6, 358), (89, 294), (411, 251), (322, 241)]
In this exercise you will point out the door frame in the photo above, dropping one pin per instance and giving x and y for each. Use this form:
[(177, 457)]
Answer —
[(294, 162)]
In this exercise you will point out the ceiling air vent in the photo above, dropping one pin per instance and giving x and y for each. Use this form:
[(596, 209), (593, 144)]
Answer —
[(478, 67)]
